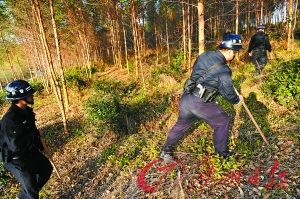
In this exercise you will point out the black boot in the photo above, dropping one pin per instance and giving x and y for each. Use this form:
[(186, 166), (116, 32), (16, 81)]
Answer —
[(226, 154), (167, 154)]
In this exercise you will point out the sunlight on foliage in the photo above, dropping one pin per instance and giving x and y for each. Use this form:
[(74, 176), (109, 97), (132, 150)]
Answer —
[(283, 84)]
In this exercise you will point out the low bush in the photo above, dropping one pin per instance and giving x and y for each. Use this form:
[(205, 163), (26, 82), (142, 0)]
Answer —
[(2, 98), (4, 178), (122, 107), (283, 84), (174, 70), (37, 85), (75, 77)]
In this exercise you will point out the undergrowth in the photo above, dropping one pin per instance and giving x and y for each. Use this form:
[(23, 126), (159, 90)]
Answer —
[(283, 84)]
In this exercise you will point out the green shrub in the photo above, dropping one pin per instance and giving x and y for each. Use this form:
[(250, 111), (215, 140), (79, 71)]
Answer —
[(115, 88), (37, 85), (95, 69), (283, 84), (3, 175), (106, 154), (122, 107), (174, 70), (176, 62), (2, 98), (277, 35), (102, 108), (75, 77)]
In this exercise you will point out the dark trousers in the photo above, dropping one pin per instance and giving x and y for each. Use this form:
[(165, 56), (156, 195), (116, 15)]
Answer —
[(193, 108), (260, 58), (32, 172)]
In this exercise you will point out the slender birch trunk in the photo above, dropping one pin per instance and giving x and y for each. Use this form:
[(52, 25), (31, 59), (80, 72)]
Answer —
[(125, 48), (294, 21), (237, 17), (189, 37), (168, 45), (248, 16), (42, 67), (289, 25), (261, 21), (200, 26), (58, 53), (156, 44), (184, 32), (54, 81), (135, 38)]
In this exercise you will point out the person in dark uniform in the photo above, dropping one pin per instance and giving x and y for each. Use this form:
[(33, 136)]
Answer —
[(210, 76), (258, 47), (21, 143)]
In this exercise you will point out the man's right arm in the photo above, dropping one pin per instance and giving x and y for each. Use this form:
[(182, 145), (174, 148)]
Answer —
[(268, 45), (226, 88)]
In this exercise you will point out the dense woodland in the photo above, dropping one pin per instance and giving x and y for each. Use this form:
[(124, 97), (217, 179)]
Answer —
[(109, 75)]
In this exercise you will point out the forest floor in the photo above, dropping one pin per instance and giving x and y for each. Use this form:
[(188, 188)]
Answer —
[(103, 163)]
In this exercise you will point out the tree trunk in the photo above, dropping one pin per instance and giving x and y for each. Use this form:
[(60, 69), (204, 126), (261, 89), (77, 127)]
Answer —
[(189, 37), (290, 20), (294, 21), (60, 66), (156, 44), (20, 68), (54, 81), (201, 26), (168, 45), (39, 56), (8, 57), (248, 16), (261, 21), (237, 17), (134, 33), (184, 31), (29, 66), (256, 13), (125, 48)]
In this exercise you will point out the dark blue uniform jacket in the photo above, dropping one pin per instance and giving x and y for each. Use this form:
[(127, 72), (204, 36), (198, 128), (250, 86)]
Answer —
[(19, 131), (260, 40), (218, 77)]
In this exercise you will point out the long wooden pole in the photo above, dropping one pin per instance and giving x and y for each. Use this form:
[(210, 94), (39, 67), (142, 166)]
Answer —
[(253, 120), (47, 152)]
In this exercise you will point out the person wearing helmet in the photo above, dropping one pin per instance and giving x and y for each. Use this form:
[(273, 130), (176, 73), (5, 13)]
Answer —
[(210, 77), (258, 47), (21, 143)]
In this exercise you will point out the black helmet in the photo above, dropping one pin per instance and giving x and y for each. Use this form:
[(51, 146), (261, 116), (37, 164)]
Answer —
[(18, 89), (261, 27), (231, 42)]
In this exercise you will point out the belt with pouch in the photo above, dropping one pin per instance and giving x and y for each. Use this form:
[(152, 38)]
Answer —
[(205, 93)]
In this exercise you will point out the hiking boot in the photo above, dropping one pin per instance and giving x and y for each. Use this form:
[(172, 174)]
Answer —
[(167, 154), (226, 154)]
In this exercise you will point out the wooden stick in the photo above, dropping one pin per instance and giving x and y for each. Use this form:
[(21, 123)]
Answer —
[(50, 159), (253, 120), (47, 152)]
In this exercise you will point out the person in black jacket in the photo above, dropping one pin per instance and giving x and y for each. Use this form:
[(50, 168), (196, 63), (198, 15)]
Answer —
[(210, 76), (258, 47), (21, 142)]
